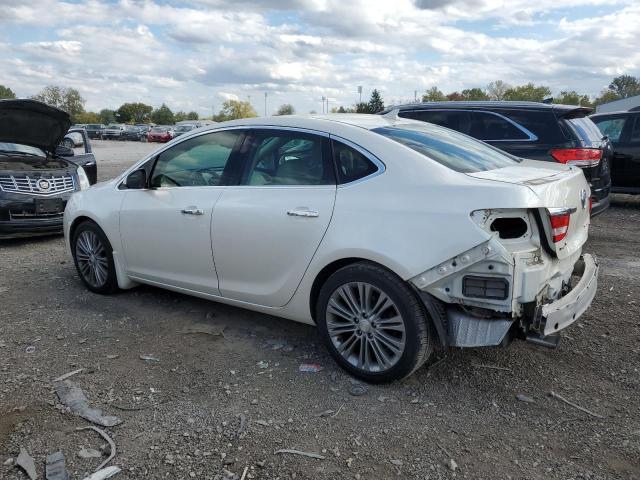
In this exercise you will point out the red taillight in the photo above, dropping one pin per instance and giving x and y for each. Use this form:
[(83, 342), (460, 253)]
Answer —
[(559, 226), (590, 204), (580, 157)]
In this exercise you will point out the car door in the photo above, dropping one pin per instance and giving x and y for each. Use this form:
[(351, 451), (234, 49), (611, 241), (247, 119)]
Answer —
[(266, 230), (628, 154), (620, 130), (86, 159), (166, 228)]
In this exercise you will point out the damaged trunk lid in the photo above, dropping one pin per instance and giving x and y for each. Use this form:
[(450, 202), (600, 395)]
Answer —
[(564, 200)]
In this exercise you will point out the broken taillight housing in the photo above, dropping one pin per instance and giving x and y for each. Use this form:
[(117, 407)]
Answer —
[(579, 157), (559, 225)]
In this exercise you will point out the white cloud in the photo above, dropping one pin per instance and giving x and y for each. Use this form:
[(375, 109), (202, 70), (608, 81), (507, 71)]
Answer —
[(300, 50)]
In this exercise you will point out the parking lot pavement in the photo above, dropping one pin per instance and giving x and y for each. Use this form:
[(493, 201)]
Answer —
[(224, 391)]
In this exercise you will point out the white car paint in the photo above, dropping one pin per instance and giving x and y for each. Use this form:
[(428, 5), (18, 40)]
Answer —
[(415, 217)]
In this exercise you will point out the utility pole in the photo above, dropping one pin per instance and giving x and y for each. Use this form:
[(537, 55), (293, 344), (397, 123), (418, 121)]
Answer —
[(360, 93), (265, 104), (415, 95), (323, 104), (327, 104)]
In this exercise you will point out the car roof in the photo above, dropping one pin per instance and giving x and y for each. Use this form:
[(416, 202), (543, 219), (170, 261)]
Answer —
[(615, 114), (490, 105), (331, 122)]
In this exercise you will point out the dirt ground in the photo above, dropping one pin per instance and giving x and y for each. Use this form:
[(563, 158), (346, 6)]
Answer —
[(224, 393)]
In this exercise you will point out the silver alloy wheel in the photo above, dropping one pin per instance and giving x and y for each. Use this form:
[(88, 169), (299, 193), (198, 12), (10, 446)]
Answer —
[(366, 326), (92, 260)]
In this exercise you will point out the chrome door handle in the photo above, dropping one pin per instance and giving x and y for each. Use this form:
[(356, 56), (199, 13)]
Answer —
[(192, 211), (302, 212)]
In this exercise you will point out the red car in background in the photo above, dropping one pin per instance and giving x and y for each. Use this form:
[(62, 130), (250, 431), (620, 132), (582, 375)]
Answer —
[(160, 134)]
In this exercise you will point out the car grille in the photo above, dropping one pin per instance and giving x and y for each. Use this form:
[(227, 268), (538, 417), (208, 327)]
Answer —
[(42, 186), (28, 215)]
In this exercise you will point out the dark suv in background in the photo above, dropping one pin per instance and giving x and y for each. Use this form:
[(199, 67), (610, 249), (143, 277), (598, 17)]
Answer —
[(623, 129), (539, 131)]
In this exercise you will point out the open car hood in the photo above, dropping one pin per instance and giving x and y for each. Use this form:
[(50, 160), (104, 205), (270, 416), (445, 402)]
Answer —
[(33, 123)]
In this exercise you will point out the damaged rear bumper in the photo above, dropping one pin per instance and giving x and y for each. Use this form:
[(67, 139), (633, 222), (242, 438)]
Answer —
[(457, 327)]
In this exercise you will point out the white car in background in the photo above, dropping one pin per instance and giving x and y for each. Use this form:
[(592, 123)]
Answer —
[(392, 236)]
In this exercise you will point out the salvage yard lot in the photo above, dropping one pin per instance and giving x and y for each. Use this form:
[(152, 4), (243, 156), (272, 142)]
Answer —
[(224, 391)]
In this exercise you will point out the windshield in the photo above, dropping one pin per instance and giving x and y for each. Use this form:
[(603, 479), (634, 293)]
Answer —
[(18, 148), (585, 129), (449, 148), (184, 128), (114, 127), (159, 129)]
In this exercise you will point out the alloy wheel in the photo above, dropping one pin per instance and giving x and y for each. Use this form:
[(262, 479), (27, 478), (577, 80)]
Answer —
[(365, 326), (91, 257)]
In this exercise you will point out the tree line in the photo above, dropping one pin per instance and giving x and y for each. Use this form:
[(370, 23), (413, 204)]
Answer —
[(70, 100), (620, 87)]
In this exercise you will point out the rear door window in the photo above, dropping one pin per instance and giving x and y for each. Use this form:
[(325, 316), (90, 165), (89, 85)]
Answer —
[(611, 127), (489, 126), (287, 157), (458, 120), (457, 152)]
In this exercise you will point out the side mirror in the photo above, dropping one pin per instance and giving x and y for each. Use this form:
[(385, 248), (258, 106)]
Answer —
[(136, 180), (64, 151)]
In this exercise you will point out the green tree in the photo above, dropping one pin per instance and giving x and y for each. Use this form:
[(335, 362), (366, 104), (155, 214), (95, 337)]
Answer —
[(455, 97), (376, 104), (87, 117), (362, 107), (6, 92), (67, 99), (133, 112), (528, 92), (474, 94), (286, 109), (107, 116), (625, 86), (434, 94), (606, 96), (162, 116), (193, 116), (497, 90), (179, 116), (233, 109), (572, 98)]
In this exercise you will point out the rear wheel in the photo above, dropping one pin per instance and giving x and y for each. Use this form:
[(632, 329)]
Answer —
[(93, 258), (373, 323)]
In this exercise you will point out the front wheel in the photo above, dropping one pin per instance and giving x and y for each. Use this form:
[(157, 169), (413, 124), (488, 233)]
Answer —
[(373, 323), (93, 258)]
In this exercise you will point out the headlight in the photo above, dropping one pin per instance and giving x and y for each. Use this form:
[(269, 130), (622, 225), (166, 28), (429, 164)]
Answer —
[(83, 180)]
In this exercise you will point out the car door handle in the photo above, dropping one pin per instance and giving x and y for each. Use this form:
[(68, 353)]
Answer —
[(302, 212), (192, 211)]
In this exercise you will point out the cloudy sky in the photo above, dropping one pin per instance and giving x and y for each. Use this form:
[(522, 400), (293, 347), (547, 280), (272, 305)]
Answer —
[(194, 54)]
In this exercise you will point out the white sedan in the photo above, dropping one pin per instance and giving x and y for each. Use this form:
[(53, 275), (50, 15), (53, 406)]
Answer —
[(392, 236)]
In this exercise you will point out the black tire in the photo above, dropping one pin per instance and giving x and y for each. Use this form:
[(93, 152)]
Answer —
[(418, 335), (110, 282)]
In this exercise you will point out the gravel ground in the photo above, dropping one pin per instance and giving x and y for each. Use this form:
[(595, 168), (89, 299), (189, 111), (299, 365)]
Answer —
[(225, 393)]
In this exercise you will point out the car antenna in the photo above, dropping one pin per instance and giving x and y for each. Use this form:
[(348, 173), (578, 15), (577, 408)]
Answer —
[(392, 115)]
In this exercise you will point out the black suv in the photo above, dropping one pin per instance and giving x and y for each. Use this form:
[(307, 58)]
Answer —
[(623, 129), (539, 131)]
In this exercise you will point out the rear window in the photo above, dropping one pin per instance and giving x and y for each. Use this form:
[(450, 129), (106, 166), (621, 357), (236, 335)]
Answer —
[(451, 149), (585, 129)]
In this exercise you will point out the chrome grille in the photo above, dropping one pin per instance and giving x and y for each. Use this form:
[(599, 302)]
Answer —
[(44, 185)]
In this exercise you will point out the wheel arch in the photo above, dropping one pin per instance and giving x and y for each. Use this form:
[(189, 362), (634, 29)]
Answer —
[(331, 268)]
